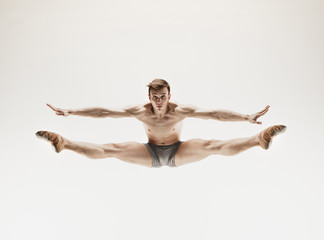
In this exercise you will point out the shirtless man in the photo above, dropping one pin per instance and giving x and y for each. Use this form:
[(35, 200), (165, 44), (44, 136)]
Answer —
[(163, 123)]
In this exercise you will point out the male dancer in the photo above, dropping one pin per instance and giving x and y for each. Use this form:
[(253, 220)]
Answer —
[(163, 123)]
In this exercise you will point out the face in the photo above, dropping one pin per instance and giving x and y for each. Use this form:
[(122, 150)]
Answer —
[(160, 98)]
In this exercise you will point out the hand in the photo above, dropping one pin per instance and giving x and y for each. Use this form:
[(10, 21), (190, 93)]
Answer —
[(59, 111), (254, 117)]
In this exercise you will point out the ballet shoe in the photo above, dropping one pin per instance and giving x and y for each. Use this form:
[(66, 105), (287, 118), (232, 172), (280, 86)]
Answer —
[(54, 138), (265, 137)]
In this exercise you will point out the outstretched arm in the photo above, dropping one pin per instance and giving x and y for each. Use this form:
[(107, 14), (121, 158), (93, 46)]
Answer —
[(223, 115), (96, 112)]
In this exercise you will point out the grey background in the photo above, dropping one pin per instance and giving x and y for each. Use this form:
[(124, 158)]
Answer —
[(236, 55)]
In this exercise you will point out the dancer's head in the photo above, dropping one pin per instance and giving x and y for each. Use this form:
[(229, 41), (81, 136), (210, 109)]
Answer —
[(158, 84), (159, 94)]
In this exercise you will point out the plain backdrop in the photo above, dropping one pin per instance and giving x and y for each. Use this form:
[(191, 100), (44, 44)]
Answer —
[(217, 54)]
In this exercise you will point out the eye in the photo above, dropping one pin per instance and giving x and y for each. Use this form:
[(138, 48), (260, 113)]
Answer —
[(163, 97), (155, 97)]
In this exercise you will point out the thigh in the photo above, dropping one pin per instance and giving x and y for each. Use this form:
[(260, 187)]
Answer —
[(193, 150), (132, 152)]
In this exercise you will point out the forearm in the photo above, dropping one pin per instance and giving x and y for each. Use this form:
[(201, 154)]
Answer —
[(225, 115)]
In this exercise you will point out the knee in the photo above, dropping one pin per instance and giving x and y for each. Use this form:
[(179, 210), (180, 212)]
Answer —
[(111, 149), (218, 147), (213, 145)]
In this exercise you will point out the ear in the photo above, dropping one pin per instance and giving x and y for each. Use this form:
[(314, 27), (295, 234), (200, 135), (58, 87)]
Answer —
[(169, 96), (149, 95)]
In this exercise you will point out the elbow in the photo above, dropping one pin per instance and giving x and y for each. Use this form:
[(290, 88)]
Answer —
[(102, 113), (215, 115), (105, 114)]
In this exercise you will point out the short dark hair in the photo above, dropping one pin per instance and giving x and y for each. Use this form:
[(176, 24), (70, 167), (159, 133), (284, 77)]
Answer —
[(158, 84)]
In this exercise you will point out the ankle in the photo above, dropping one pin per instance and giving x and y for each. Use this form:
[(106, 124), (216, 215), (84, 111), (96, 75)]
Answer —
[(65, 143), (257, 139)]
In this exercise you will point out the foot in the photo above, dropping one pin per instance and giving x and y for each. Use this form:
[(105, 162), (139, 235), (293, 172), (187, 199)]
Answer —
[(56, 140), (265, 137)]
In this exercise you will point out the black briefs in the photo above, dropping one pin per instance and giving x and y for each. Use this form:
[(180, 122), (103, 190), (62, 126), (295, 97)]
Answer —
[(163, 155)]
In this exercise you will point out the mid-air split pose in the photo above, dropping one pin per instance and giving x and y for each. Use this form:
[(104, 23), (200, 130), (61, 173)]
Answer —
[(162, 121)]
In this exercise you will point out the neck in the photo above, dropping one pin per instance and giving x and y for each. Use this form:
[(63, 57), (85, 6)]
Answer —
[(162, 113)]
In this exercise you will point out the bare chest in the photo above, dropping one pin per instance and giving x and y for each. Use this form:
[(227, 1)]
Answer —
[(166, 129), (166, 123)]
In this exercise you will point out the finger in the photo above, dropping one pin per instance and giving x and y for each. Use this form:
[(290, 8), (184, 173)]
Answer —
[(263, 112), (51, 107), (266, 108)]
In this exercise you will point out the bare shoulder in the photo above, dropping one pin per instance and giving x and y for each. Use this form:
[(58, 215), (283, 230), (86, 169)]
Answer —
[(184, 108), (136, 109), (147, 106), (173, 106)]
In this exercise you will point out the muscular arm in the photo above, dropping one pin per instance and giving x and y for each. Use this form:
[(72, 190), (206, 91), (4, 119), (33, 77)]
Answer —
[(98, 112), (221, 115)]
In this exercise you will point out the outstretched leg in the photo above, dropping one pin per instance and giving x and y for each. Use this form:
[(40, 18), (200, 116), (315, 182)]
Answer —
[(198, 149), (131, 152)]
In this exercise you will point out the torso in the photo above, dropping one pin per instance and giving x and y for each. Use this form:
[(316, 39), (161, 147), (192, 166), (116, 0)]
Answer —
[(161, 131)]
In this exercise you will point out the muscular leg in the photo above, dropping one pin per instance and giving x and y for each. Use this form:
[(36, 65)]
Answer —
[(131, 152), (197, 149)]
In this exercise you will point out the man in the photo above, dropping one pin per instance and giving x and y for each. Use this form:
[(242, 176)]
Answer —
[(163, 123)]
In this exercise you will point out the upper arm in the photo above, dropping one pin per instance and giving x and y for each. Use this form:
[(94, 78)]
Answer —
[(193, 111), (133, 111), (118, 113)]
